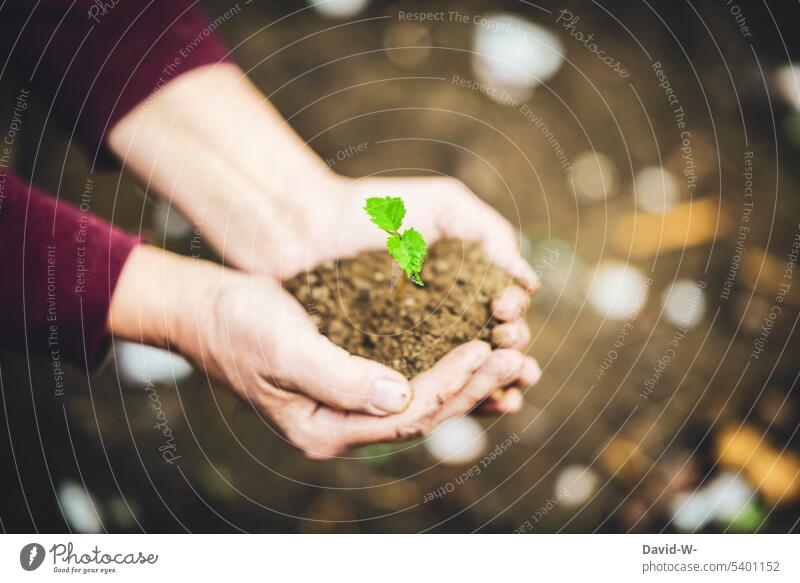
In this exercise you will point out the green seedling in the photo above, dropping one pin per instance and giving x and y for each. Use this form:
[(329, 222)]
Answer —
[(408, 248)]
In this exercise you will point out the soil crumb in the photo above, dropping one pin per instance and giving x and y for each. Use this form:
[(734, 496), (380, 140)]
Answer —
[(359, 305)]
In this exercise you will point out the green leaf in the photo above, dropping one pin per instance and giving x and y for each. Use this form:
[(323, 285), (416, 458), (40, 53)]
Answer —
[(386, 212), (409, 250)]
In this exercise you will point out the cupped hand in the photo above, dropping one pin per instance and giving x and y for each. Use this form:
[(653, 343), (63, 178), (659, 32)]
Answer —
[(247, 331), (459, 382), (329, 222), (258, 339)]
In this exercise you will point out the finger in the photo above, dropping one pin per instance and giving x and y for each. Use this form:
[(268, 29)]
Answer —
[(522, 272), (512, 335), (431, 389), (530, 373), (499, 370), (510, 400), (459, 381), (329, 374), (511, 304), (501, 402), (450, 373)]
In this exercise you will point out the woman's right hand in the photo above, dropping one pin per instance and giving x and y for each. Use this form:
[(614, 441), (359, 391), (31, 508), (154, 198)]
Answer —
[(455, 385), (247, 331), (262, 343)]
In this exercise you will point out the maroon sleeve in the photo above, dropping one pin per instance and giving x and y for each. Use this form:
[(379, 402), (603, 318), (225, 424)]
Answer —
[(58, 269), (95, 60)]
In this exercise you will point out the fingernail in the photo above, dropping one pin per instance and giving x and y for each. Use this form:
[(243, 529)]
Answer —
[(534, 281), (390, 396), (527, 276)]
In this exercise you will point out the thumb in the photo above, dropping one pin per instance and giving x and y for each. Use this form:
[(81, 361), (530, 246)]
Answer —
[(323, 371), (434, 388)]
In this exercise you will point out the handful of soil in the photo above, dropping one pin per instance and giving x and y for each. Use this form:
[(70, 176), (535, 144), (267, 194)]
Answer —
[(404, 326)]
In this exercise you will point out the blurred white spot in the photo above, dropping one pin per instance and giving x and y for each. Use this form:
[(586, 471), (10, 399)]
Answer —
[(513, 54), (169, 222), (78, 508), (338, 8), (594, 176), (456, 442), (786, 83), (690, 511), (656, 189), (684, 304), (728, 496), (407, 44), (139, 364), (576, 484), (618, 291)]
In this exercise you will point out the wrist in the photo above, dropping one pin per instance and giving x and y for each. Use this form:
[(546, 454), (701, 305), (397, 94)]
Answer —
[(160, 296)]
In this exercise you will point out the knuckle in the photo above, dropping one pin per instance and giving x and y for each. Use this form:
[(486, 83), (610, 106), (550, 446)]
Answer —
[(410, 430), (504, 363), (481, 347)]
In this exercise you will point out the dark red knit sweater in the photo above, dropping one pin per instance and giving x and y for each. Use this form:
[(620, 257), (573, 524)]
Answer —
[(93, 62)]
